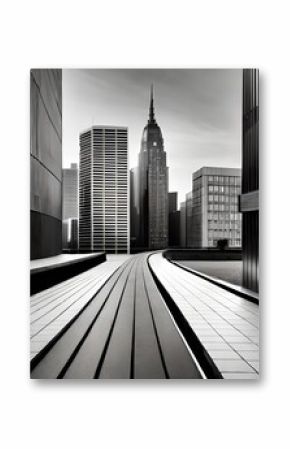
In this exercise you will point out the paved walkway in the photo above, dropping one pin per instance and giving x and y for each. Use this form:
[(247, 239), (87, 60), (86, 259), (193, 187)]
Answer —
[(226, 324), (54, 308), (121, 330)]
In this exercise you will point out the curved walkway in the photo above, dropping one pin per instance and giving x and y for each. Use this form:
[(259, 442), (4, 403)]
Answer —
[(225, 324), (123, 330)]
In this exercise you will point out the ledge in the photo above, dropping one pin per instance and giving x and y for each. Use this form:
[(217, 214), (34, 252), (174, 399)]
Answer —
[(45, 273)]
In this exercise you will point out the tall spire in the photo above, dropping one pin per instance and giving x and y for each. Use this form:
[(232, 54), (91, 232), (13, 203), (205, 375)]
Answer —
[(151, 109)]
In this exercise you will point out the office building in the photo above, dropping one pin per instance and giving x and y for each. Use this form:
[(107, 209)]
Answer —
[(103, 190), (70, 192), (45, 163), (172, 202), (153, 186), (189, 220), (70, 207), (249, 200), (182, 225), (70, 234), (173, 220), (215, 214), (134, 207)]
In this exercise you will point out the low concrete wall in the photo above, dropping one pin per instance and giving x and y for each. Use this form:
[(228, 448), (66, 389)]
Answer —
[(203, 254), (43, 278)]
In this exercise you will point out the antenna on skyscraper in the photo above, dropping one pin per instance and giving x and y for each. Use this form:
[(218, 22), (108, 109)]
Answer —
[(151, 109)]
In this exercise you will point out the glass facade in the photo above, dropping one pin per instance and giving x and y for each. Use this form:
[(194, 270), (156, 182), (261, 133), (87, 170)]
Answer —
[(224, 220), (215, 207)]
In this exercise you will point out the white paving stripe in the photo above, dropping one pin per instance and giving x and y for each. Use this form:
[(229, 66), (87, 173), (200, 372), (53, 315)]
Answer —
[(226, 324)]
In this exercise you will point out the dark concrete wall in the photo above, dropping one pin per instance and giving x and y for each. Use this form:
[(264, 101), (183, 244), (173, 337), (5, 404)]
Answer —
[(45, 162), (250, 178)]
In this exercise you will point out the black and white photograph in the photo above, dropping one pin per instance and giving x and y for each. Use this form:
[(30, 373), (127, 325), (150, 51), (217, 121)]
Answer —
[(144, 223)]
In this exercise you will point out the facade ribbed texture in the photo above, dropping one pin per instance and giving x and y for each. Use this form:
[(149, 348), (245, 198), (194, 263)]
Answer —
[(103, 190), (70, 192), (250, 178)]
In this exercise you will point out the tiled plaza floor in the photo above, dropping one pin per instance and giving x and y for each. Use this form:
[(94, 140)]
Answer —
[(53, 308), (226, 324)]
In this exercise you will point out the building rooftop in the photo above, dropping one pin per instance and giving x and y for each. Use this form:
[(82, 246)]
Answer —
[(124, 128), (222, 171)]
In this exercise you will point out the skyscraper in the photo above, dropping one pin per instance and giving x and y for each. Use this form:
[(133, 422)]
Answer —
[(173, 220), (103, 190), (134, 207), (215, 215), (70, 207), (182, 226), (45, 162), (189, 222), (153, 186)]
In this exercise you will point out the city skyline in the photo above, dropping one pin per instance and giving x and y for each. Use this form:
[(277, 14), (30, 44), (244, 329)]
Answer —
[(199, 112), (184, 312)]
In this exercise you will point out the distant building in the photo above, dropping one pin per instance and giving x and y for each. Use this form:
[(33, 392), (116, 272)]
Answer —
[(103, 190), (70, 234), (249, 200), (189, 221), (172, 202), (153, 187), (186, 222), (215, 213), (173, 220), (182, 224), (134, 207), (70, 192), (70, 207), (45, 163)]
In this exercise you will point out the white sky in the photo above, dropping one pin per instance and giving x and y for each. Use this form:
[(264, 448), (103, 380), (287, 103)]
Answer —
[(199, 112)]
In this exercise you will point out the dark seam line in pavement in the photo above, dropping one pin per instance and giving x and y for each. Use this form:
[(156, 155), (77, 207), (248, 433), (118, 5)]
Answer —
[(82, 340), (40, 355), (132, 373), (155, 328), (103, 355), (206, 363)]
